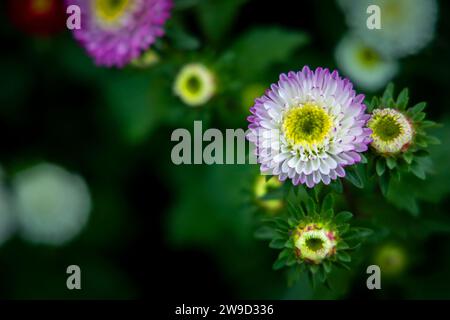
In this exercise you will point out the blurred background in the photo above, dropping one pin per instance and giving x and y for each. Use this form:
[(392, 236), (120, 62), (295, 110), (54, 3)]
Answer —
[(86, 176)]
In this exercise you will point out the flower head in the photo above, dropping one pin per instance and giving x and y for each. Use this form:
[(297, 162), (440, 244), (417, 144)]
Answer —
[(399, 133), (309, 126), (406, 25), (114, 32), (364, 64), (392, 131), (195, 84), (313, 243), (53, 205)]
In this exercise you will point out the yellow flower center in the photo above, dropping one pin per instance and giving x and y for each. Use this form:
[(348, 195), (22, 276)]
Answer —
[(368, 57), (386, 127), (391, 131), (195, 84), (306, 125), (314, 243), (110, 12)]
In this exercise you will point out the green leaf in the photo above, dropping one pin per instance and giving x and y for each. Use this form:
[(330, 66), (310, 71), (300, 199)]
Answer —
[(316, 191), (281, 223), (344, 256), (391, 163), (336, 185), (358, 233), (310, 206), (284, 253), (217, 17), (363, 158), (292, 223), (327, 284), (328, 215), (342, 217), (342, 265), (295, 210), (328, 203), (402, 196), (419, 116), (293, 274), (374, 103), (418, 171), (279, 263), (409, 157), (381, 166), (327, 266), (343, 228), (314, 268), (421, 141), (403, 99), (264, 233), (291, 260), (277, 243), (432, 140), (342, 245), (180, 38), (391, 103), (289, 244), (417, 108), (388, 93), (260, 48), (321, 274), (137, 103), (354, 177), (384, 184), (428, 124), (355, 247), (312, 280)]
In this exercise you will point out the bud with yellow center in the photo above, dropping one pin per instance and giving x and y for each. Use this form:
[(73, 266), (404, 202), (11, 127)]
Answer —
[(314, 243), (195, 84), (392, 132)]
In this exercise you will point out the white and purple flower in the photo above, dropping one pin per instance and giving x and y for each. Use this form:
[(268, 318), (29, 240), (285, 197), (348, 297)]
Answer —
[(309, 127), (114, 32)]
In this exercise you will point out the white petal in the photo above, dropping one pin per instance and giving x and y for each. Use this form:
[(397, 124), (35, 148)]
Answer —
[(332, 164), (324, 168), (308, 167)]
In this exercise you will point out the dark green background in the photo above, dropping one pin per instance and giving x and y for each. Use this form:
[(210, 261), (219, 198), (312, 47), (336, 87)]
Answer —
[(187, 231)]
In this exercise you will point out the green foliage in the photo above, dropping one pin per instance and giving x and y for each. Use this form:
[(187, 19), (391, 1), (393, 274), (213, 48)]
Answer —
[(135, 104), (252, 56), (217, 17)]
